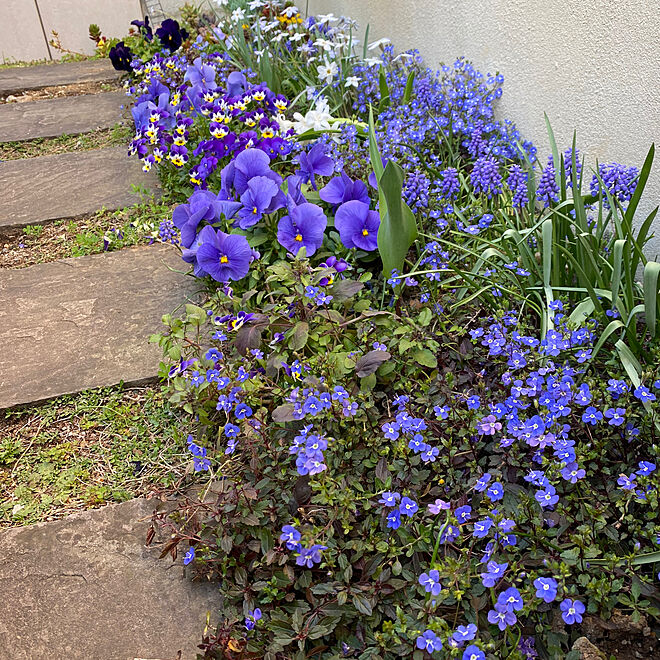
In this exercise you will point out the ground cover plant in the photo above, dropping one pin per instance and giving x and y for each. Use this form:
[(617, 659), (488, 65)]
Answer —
[(422, 390)]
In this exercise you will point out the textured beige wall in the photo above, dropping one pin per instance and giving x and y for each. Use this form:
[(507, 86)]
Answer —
[(592, 65), (21, 36), (72, 18)]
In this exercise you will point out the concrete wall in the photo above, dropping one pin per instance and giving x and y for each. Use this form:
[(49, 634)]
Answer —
[(22, 37), (592, 65)]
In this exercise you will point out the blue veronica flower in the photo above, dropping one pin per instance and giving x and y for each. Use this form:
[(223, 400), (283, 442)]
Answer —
[(546, 589)]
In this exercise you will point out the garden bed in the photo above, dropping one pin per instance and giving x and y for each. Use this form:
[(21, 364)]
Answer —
[(422, 390)]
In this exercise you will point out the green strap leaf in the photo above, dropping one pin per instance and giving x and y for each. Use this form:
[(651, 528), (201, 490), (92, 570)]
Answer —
[(407, 94), (398, 227), (651, 273)]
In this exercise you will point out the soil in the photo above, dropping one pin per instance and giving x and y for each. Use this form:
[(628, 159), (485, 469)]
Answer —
[(75, 89), (620, 637)]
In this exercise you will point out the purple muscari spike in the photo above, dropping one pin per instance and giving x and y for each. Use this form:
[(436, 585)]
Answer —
[(517, 182), (548, 191), (314, 162), (342, 189), (303, 227), (357, 225), (262, 196), (223, 256), (485, 176)]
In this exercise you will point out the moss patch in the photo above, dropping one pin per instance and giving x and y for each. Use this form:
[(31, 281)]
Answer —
[(86, 450), (118, 135)]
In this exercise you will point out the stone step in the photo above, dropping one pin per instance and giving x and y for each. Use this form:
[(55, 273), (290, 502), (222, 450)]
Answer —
[(38, 190), (81, 323), (21, 79), (68, 115), (86, 588)]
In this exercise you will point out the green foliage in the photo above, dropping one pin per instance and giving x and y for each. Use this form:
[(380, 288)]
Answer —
[(398, 228)]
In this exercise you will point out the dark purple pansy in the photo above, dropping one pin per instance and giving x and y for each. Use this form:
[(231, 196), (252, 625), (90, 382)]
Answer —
[(121, 57), (313, 162), (202, 205), (263, 195), (343, 189), (171, 35), (223, 256), (303, 227), (144, 28), (357, 225)]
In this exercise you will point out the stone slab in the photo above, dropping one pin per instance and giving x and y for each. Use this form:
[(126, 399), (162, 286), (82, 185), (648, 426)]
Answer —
[(86, 588), (69, 115), (84, 322), (20, 79), (38, 190)]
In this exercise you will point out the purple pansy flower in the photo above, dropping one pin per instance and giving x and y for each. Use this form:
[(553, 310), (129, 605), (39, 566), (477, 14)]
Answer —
[(357, 225), (248, 164), (342, 189), (263, 195), (314, 162), (223, 256), (302, 227), (202, 205)]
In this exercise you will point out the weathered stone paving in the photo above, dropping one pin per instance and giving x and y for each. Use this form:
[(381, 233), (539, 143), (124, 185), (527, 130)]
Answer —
[(84, 322), (19, 79), (86, 588), (38, 190), (69, 115)]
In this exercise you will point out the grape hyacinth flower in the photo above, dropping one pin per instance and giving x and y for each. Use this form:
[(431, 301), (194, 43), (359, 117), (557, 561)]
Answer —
[(547, 190), (485, 176)]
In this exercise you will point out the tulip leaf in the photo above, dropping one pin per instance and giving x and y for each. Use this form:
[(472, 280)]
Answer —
[(398, 228)]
